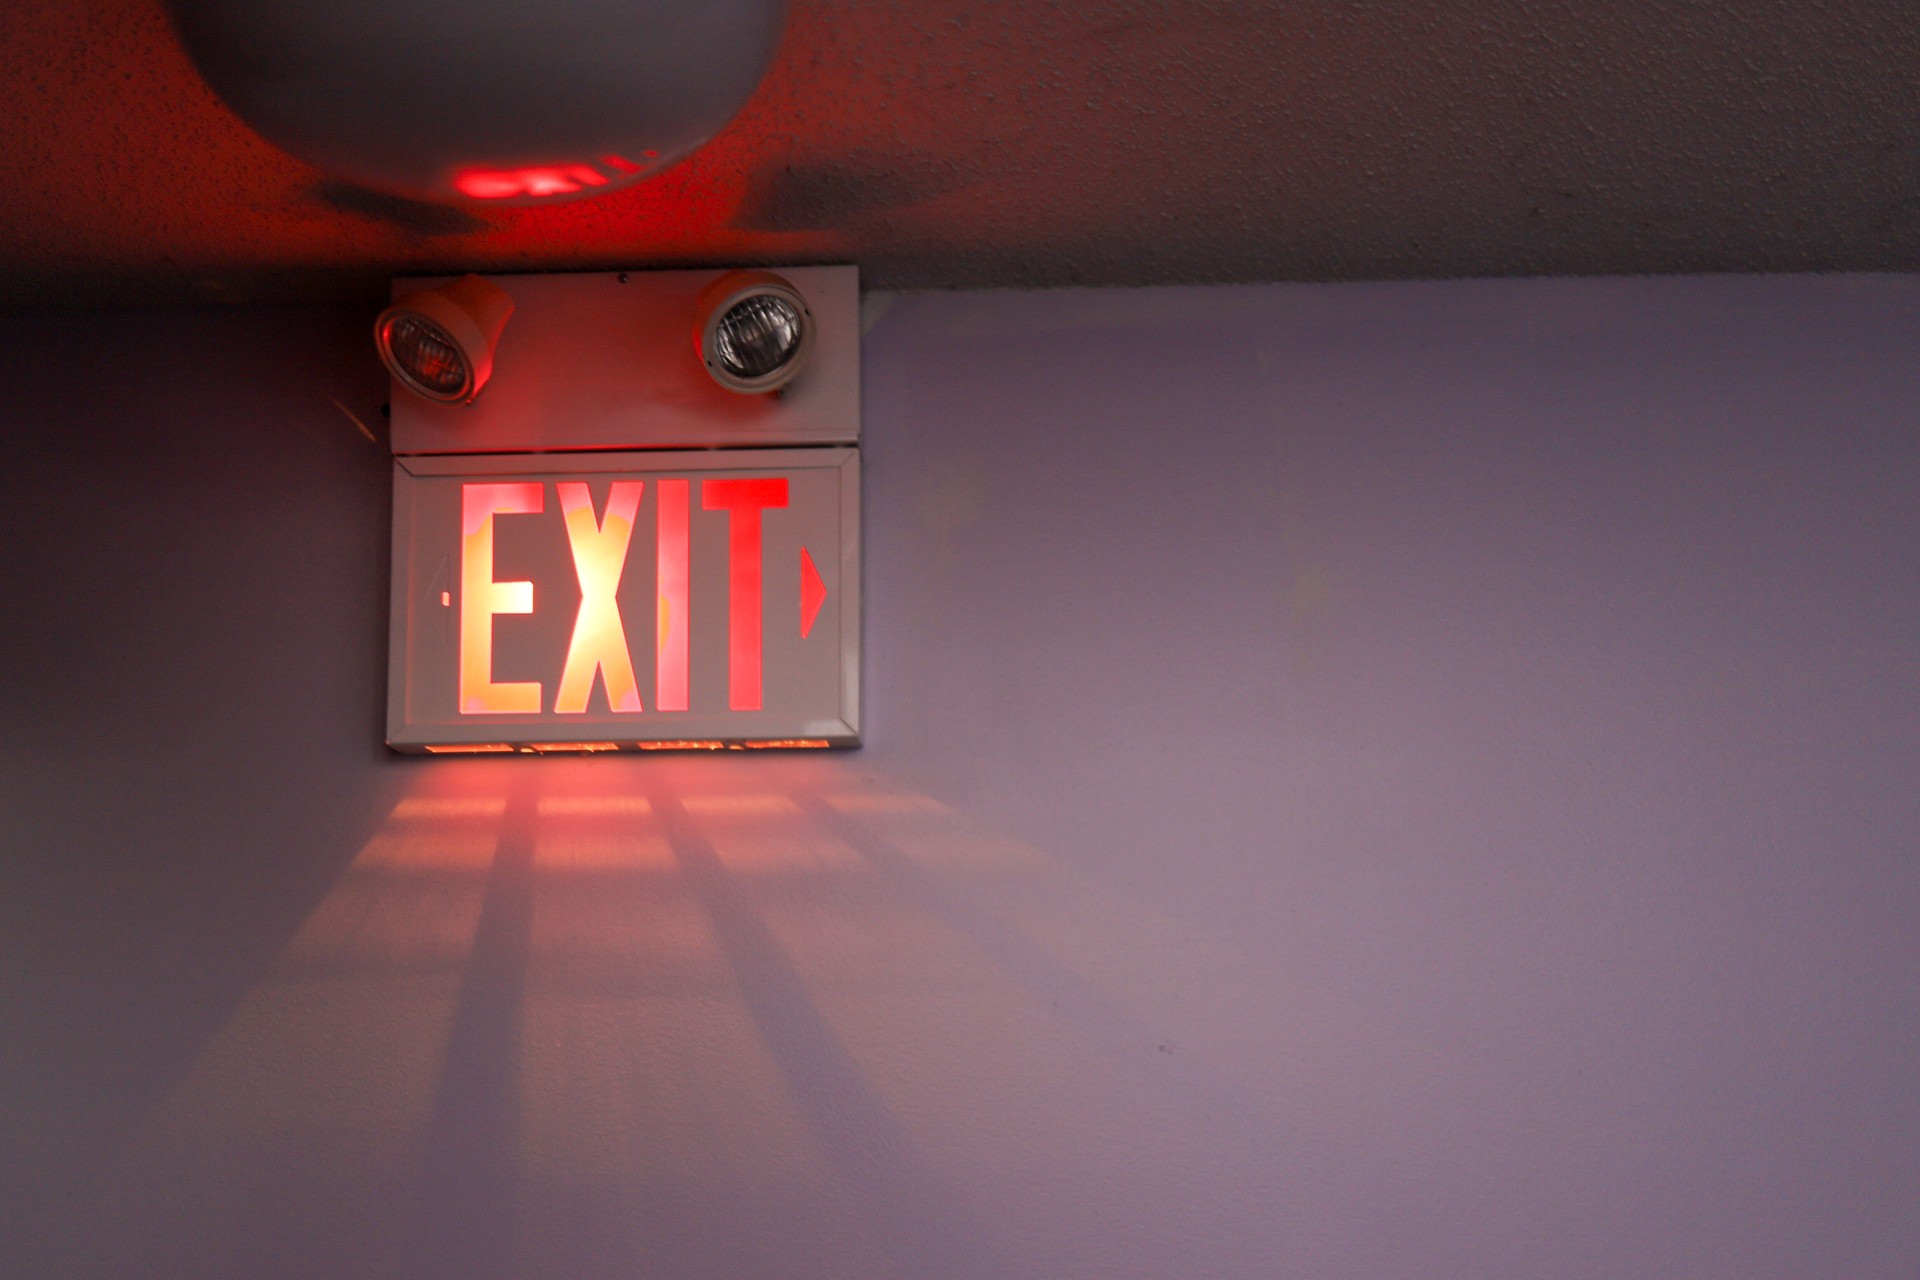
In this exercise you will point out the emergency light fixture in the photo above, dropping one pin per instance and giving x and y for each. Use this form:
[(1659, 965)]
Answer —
[(439, 342), (616, 549), (755, 332)]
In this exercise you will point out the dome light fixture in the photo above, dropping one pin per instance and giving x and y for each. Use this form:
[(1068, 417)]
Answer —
[(754, 331), (494, 101), (439, 342)]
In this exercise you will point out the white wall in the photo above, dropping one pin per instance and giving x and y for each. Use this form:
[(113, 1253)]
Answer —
[(1403, 780)]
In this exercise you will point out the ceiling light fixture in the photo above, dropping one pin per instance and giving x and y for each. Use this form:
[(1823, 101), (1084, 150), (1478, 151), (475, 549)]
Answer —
[(754, 331), (440, 342), (499, 101)]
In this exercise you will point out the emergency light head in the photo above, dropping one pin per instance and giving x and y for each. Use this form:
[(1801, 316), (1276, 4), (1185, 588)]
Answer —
[(499, 101), (440, 342), (754, 331)]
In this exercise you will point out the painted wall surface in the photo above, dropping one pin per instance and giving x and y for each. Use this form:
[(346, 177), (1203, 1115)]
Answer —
[(1386, 781)]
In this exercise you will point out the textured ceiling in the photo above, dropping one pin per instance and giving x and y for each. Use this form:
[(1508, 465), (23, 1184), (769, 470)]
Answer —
[(965, 143)]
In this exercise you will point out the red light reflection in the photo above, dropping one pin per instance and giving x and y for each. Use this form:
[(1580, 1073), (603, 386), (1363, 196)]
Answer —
[(537, 180), (620, 164)]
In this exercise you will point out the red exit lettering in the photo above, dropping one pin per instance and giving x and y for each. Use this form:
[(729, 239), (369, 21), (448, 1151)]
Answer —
[(599, 649)]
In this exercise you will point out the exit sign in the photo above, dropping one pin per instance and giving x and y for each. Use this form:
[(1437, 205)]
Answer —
[(625, 600)]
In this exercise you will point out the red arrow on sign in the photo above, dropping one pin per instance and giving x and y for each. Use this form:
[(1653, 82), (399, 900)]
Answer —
[(813, 593)]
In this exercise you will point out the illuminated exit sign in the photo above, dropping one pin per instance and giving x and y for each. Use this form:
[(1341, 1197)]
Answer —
[(583, 601)]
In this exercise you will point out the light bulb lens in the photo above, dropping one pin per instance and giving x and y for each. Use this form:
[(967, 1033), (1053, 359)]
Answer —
[(753, 331), (757, 336), (427, 356)]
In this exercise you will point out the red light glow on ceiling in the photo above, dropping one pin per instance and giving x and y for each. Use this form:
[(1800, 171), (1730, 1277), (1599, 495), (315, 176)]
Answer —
[(537, 181), (515, 184)]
